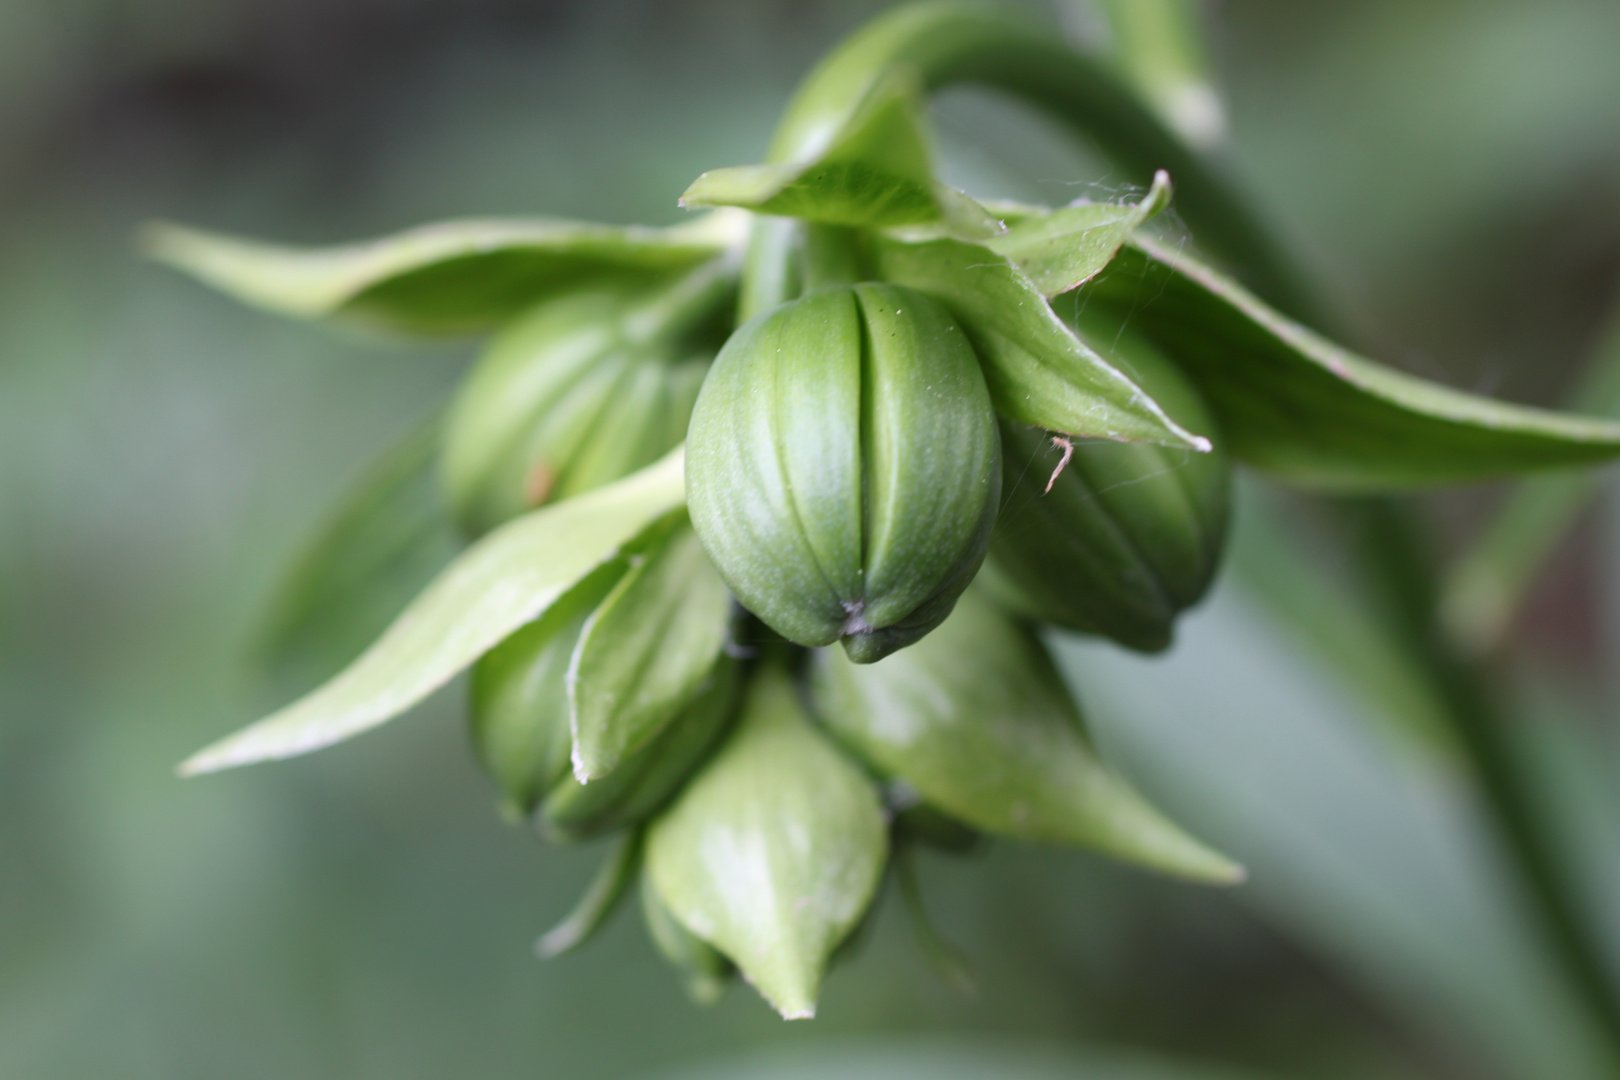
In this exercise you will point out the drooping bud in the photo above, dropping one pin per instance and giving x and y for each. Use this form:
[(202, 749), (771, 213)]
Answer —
[(773, 851), (843, 467), (583, 390), (1129, 534)]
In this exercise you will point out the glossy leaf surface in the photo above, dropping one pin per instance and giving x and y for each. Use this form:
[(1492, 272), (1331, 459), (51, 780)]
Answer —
[(774, 850), (499, 584), (645, 652), (977, 719), (873, 172), (1038, 371), (1315, 414), (387, 539), (453, 277)]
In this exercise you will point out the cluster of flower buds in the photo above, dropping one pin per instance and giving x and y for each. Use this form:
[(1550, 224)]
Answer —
[(919, 433)]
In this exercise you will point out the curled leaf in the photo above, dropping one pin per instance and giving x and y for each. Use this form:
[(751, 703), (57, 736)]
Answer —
[(774, 850), (1317, 415), (506, 580), (452, 277), (1062, 249), (873, 171), (1038, 371)]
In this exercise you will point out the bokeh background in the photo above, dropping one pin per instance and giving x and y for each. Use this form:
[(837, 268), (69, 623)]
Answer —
[(1449, 170)]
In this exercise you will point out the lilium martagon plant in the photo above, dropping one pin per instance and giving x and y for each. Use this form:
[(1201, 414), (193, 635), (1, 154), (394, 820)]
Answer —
[(766, 515)]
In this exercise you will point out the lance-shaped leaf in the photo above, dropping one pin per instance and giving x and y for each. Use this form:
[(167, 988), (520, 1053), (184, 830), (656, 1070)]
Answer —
[(1315, 414), (388, 538), (601, 898), (1062, 249), (872, 172), (646, 651), (452, 277), (506, 580), (1038, 371), (977, 719), (774, 850)]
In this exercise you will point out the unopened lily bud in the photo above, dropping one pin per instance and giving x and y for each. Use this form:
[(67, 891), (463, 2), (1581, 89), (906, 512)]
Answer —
[(843, 467), (1106, 537)]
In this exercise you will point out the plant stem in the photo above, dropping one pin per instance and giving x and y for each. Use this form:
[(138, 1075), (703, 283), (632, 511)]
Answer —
[(949, 43), (1401, 571)]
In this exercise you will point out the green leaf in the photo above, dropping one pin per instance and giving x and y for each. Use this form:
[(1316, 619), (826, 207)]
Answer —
[(1038, 371), (452, 277), (505, 581), (976, 718), (601, 897), (1315, 414), (386, 540), (774, 850), (1062, 249), (646, 651), (873, 172)]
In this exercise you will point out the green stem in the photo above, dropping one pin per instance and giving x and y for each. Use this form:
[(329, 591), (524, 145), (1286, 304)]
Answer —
[(1401, 572), (949, 43)]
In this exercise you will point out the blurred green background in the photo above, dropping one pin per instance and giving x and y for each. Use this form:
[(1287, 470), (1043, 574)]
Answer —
[(1450, 170)]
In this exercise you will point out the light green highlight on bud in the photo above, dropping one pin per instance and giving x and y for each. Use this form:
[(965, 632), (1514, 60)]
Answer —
[(774, 850)]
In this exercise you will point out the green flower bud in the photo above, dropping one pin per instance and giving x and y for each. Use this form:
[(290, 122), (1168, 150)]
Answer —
[(584, 389), (1128, 535), (843, 467), (519, 712), (646, 779)]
